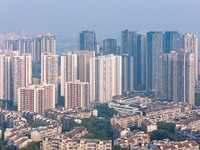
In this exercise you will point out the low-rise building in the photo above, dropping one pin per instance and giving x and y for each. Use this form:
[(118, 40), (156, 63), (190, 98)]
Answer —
[(120, 132), (123, 108), (147, 126), (136, 140), (17, 136), (60, 143), (172, 145), (20, 142), (66, 122), (78, 113), (77, 132), (50, 130), (127, 121)]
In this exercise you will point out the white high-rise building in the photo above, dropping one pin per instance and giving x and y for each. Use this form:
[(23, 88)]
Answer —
[(49, 70), (22, 73), (185, 78), (178, 77), (36, 98), (77, 94), (6, 76), (83, 59), (48, 44), (105, 78), (68, 69), (190, 45)]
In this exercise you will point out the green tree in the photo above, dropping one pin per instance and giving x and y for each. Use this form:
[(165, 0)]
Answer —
[(197, 99), (97, 128), (32, 146), (105, 112), (61, 101), (166, 126), (135, 128), (165, 130), (72, 125), (5, 146), (33, 124), (117, 147)]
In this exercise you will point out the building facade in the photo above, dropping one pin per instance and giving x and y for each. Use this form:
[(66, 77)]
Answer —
[(48, 44), (77, 94), (128, 42), (87, 40), (105, 78), (110, 46), (171, 42), (178, 77), (6, 81), (127, 73), (37, 49), (22, 73), (83, 64), (49, 70), (154, 61), (36, 98), (190, 45), (68, 69)]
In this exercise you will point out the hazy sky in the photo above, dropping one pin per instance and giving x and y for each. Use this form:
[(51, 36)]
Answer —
[(106, 17)]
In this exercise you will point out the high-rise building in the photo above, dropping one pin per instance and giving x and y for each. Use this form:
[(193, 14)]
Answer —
[(36, 98), (105, 78), (84, 64), (129, 42), (37, 49), (6, 76), (36, 54), (49, 70), (171, 42), (22, 73), (87, 40), (77, 94), (119, 52), (140, 63), (135, 44), (48, 44), (185, 80), (12, 44), (98, 48), (190, 44), (178, 77), (68, 69), (169, 77), (199, 67), (154, 61), (24, 45), (110, 46), (127, 73)]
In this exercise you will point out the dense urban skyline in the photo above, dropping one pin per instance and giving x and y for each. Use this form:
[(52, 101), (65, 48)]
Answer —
[(99, 74)]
